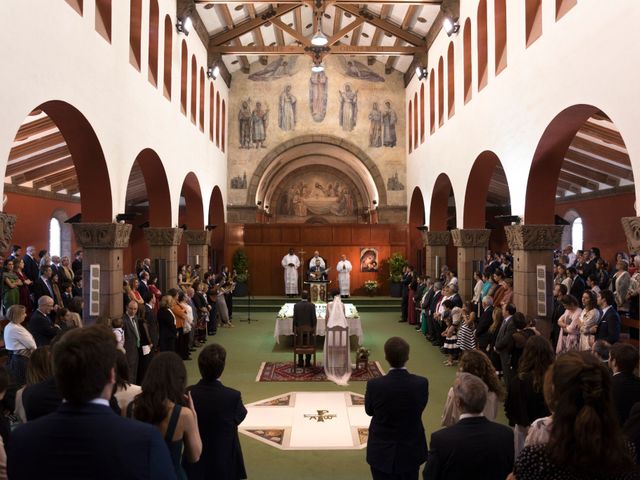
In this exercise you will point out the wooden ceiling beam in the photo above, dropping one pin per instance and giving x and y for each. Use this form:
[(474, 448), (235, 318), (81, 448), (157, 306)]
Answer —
[(605, 134), (34, 146), (579, 181), (385, 25), (58, 177), (68, 185), (601, 150), (568, 186), (291, 31), (337, 20), (336, 50), (245, 27), (43, 171), (408, 17), (615, 170), (37, 161), (228, 19), (33, 128), (257, 33), (589, 173), (336, 37), (341, 2)]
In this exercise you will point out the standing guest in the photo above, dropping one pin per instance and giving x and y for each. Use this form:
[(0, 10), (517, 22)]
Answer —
[(559, 291), (451, 319), (40, 324), (133, 293), (476, 363), (588, 320), (118, 332), (585, 440), (487, 284), (155, 291), (124, 391), (290, 263), (227, 283), (10, 286), (433, 326), (220, 411), (609, 326), (304, 314), (425, 304), (167, 331), (24, 293), (143, 284), (42, 285), (151, 320), (189, 324), (65, 272), (525, 399), (634, 289), (16, 252), (221, 307), (57, 294), (407, 277), (132, 339), (77, 286), (524, 331), (497, 319), (578, 285), (397, 445), (161, 405), (569, 323), (477, 292), (76, 266), (212, 300), (180, 313), (620, 283), (19, 342), (482, 334), (145, 267), (31, 269), (66, 289), (39, 369), (56, 266), (466, 338), (96, 443), (411, 305), (344, 268), (504, 343), (625, 386), (474, 447), (202, 309), (501, 290)]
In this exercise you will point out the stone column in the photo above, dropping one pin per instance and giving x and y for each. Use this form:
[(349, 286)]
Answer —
[(472, 246), (7, 222), (163, 246), (198, 247), (436, 243), (103, 244), (532, 245)]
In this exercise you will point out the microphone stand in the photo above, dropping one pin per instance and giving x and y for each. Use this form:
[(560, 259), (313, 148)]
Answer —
[(248, 320)]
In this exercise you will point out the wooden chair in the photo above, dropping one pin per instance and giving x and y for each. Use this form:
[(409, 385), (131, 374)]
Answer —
[(337, 342), (304, 343)]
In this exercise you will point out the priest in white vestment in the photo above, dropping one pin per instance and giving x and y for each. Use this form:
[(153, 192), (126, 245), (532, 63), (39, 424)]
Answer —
[(344, 276), (337, 363), (290, 263), (316, 256)]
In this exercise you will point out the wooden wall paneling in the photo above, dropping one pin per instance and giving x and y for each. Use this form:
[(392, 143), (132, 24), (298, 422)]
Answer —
[(316, 234), (341, 234)]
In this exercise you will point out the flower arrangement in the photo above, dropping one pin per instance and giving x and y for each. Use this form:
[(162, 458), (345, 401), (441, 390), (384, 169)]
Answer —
[(371, 286)]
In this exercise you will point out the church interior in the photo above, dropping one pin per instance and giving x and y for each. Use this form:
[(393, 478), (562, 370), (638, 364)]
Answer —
[(213, 133)]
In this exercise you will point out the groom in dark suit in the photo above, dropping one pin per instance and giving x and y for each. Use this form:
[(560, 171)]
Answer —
[(220, 411), (304, 313), (474, 447), (397, 445)]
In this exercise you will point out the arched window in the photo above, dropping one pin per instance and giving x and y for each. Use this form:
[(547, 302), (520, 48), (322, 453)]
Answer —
[(410, 125), (440, 92), (154, 18), (422, 113), (451, 80), (432, 102), (168, 47), (224, 125), (483, 46), (184, 59), (135, 26), (563, 6), (467, 60), (577, 234), (500, 13), (103, 19), (201, 115), (194, 86), (533, 21), (415, 121), (211, 100), (218, 119), (55, 237)]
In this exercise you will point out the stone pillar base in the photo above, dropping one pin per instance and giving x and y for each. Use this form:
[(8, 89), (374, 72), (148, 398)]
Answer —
[(533, 245), (436, 251), (198, 247), (103, 244), (163, 246), (472, 246)]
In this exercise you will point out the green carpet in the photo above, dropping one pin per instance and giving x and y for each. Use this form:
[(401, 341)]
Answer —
[(249, 345)]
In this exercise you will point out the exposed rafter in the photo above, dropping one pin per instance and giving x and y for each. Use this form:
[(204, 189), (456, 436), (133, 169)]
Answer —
[(291, 31), (337, 36), (335, 49)]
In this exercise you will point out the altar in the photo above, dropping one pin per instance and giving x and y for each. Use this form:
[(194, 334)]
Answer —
[(284, 321)]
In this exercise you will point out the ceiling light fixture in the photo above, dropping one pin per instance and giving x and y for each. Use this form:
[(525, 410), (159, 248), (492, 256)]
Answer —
[(184, 25), (421, 72), (451, 26), (319, 39), (317, 67), (213, 71)]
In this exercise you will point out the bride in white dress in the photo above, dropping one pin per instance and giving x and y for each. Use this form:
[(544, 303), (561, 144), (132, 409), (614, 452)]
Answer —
[(337, 364)]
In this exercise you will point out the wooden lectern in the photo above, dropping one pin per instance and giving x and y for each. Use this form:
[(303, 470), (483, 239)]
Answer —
[(318, 291)]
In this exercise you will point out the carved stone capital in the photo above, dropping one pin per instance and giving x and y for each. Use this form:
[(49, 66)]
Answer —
[(631, 227), (197, 237), (7, 222), (102, 235), (163, 236), (470, 237), (435, 239), (533, 237)]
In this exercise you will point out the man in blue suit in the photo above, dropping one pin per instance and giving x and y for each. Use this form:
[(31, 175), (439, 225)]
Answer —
[(609, 325), (85, 438), (397, 445)]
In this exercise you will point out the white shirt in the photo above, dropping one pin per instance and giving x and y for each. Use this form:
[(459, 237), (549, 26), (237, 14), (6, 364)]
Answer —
[(312, 262), (16, 337)]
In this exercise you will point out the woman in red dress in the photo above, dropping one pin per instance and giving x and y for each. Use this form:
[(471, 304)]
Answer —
[(25, 298)]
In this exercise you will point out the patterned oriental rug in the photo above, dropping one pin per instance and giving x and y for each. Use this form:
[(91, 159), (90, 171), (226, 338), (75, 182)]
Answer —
[(283, 372)]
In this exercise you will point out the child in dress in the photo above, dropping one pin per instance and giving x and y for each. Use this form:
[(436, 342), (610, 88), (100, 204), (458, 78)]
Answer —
[(451, 317), (116, 326)]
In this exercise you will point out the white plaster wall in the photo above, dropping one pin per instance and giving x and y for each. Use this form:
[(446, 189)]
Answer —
[(588, 57), (49, 52)]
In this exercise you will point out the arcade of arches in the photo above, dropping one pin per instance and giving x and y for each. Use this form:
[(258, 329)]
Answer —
[(487, 152)]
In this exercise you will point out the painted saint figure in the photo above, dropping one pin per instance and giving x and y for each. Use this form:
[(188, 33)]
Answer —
[(360, 71), (244, 123), (287, 110), (290, 263), (259, 120), (318, 96), (344, 268), (389, 120), (375, 127), (348, 108)]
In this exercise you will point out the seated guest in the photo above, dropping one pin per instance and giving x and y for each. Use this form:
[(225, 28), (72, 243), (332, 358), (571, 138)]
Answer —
[(84, 438), (220, 411), (586, 441), (19, 342), (609, 326), (160, 404), (623, 360), (474, 447), (476, 363), (40, 324)]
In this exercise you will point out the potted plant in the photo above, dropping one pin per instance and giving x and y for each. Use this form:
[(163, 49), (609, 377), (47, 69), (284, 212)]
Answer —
[(396, 263), (371, 286), (241, 266)]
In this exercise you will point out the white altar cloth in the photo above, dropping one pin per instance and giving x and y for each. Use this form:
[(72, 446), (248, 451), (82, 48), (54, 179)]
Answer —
[(284, 321)]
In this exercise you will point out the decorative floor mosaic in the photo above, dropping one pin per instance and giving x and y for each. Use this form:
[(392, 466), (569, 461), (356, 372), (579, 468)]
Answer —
[(283, 372)]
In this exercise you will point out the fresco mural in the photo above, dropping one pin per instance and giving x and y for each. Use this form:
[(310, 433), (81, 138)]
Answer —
[(355, 69), (252, 124), (348, 107), (282, 67), (318, 84), (287, 110)]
